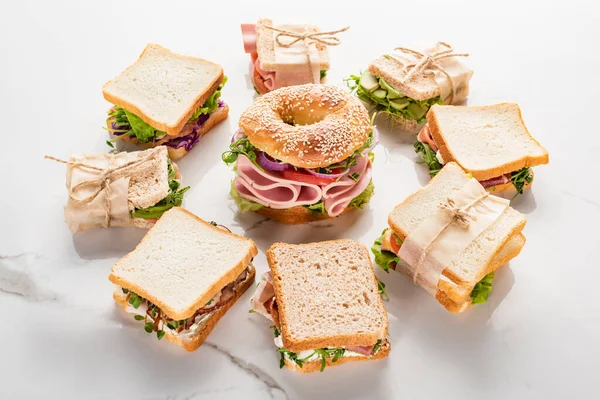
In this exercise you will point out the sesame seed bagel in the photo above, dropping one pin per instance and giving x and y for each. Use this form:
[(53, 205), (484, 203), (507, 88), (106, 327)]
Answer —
[(308, 126)]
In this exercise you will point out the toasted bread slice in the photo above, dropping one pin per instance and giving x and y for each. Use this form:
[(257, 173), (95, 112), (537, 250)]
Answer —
[(314, 366), (182, 262), (327, 295), (164, 88), (487, 141), (265, 45), (220, 114), (471, 266), (192, 343), (423, 87)]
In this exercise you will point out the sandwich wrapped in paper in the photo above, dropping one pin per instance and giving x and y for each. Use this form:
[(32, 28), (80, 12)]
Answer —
[(122, 189), (490, 142), (183, 277), (286, 54), (450, 237), (165, 98), (312, 331), (406, 82)]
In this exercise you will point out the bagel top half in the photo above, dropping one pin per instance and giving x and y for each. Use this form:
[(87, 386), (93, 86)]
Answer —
[(308, 126)]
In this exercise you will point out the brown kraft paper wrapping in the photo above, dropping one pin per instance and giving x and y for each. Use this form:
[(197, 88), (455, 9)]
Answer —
[(439, 239), (296, 63)]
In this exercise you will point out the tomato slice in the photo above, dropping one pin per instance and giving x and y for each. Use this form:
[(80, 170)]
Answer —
[(306, 178), (254, 57), (395, 246)]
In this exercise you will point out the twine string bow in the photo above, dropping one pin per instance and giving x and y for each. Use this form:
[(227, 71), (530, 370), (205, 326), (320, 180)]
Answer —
[(429, 63), (103, 181), (459, 215), (325, 38)]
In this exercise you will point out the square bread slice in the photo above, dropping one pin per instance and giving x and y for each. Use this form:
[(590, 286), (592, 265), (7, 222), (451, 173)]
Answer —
[(472, 264), (265, 47), (164, 88), (182, 262), (487, 141), (327, 295)]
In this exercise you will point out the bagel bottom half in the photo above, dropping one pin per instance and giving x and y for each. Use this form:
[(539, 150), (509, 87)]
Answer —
[(296, 215)]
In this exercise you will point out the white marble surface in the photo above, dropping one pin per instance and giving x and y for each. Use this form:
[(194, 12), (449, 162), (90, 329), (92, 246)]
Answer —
[(63, 338)]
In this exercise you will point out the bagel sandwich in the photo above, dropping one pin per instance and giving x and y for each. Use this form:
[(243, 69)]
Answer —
[(303, 153), (468, 278), (166, 99), (406, 102), (311, 331), (491, 143), (259, 42), (183, 277)]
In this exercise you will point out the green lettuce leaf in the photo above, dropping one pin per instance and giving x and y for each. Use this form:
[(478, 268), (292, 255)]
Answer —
[(173, 199), (383, 105), (211, 104), (143, 132), (385, 259), (482, 289), (244, 204), (428, 156)]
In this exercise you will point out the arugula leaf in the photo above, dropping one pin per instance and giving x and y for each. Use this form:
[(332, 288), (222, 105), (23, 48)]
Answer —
[(520, 178), (482, 289), (323, 74), (428, 156), (382, 291), (354, 176), (385, 259), (383, 105), (252, 310), (377, 346), (174, 199), (240, 146), (244, 204), (275, 330)]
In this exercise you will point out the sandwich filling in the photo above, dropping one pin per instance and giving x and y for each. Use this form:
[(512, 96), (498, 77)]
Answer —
[(429, 152), (174, 197), (376, 91), (387, 247), (124, 125), (156, 320), (263, 181), (263, 81), (264, 302)]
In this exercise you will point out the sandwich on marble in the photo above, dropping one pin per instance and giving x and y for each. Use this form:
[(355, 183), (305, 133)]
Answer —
[(165, 98), (491, 143), (121, 189), (303, 153), (405, 83), (450, 237), (323, 301), (183, 277), (286, 54)]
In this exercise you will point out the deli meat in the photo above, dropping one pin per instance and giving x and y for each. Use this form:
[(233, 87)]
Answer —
[(249, 37), (364, 350), (501, 180), (339, 194), (426, 137)]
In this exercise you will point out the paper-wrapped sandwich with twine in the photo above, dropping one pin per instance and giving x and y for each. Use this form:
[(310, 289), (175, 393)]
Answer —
[(122, 189)]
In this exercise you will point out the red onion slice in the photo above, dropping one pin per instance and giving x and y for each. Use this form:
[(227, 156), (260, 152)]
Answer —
[(268, 163), (237, 135)]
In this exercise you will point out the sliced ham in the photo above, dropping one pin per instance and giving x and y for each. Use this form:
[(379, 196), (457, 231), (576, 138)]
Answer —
[(270, 189), (249, 37), (267, 77), (364, 350), (500, 180), (264, 296), (425, 137), (338, 195)]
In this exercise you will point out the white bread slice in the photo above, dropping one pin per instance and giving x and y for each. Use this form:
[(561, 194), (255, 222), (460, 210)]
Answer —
[(164, 88), (192, 343), (220, 114), (487, 141), (327, 295), (471, 266), (182, 262), (265, 46), (314, 366)]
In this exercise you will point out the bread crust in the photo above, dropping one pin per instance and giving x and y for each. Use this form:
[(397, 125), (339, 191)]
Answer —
[(220, 114), (482, 175), (265, 47), (206, 296), (329, 125), (357, 339), (195, 342), (447, 271), (295, 215), (314, 366), (178, 126)]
